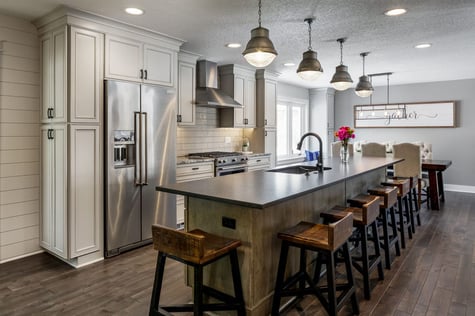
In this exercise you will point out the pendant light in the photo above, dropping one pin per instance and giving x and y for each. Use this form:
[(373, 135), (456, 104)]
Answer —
[(260, 51), (309, 67), (364, 88), (341, 79)]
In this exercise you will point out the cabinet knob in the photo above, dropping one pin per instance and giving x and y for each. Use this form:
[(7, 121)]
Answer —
[(178, 118), (265, 122)]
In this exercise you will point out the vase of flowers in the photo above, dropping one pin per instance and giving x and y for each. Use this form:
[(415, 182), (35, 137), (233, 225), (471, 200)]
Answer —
[(344, 134)]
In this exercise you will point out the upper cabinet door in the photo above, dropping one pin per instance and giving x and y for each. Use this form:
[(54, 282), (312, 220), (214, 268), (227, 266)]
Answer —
[(54, 76), (158, 65), (86, 88), (124, 59), (270, 104), (239, 96), (186, 93), (250, 119)]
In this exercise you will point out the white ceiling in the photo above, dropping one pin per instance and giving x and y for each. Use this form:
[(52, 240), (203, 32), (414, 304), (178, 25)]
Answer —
[(207, 25)]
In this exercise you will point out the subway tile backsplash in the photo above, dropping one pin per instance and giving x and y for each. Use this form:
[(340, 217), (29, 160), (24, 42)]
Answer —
[(205, 135)]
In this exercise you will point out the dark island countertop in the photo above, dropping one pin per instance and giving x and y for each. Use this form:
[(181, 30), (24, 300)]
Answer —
[(260, 189)]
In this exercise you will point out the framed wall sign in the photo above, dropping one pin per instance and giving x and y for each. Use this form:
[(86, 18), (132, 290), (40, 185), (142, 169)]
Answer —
[(421, 114)]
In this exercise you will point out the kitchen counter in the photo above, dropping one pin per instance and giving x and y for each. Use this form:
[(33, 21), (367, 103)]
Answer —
[(262, 189), (253, 207)]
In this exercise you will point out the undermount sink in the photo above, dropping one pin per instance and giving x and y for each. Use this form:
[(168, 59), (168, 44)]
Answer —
[(298, 169)]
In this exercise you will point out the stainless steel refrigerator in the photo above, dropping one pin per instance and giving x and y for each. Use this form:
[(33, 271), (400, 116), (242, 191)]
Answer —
[(140, 134)]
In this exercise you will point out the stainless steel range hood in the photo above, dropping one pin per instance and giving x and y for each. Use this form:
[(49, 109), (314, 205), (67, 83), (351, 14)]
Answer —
[(207, 93)]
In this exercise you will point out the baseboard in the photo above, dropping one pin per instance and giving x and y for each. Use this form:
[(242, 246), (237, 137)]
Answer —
[(22, 256), (459, 188)]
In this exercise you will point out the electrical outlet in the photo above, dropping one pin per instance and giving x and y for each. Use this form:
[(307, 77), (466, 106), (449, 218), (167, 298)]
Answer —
[(228, 222), (227, 140)]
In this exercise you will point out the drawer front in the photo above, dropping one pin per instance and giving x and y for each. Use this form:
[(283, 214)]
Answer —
[(264, 160), (194, 169)]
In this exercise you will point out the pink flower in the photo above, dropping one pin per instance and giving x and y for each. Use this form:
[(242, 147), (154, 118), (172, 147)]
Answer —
[(345, 133)]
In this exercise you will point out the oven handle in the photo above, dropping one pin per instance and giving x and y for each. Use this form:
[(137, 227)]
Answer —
[(231, 167)]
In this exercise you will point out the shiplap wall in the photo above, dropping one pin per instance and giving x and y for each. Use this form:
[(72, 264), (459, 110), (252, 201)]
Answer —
[(205, 136), (19, 138)]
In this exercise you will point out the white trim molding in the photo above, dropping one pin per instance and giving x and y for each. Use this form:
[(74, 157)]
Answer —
[(459, 188)]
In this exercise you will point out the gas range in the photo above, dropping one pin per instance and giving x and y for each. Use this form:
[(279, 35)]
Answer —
[(224, 162)]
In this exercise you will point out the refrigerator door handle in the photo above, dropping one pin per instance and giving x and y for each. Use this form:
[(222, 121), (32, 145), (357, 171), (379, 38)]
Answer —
[(138, 148), (143, 162)]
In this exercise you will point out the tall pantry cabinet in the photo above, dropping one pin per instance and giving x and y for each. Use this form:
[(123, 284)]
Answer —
[(71, 142)]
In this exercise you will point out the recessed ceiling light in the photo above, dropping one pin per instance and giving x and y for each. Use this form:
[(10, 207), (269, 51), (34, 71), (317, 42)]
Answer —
[(289, 64), (233, 45), (394, 12), (423, 45), (134, 11)]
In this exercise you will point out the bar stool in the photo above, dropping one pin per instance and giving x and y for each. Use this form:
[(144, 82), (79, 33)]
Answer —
[(197, 249), (405, 218), (388, 200), (326, 240), (364, 218), (414, 183)]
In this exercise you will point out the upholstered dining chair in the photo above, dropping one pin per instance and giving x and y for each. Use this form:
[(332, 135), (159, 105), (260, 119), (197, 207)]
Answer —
[(373, 150), (336, 146), (411, 166)]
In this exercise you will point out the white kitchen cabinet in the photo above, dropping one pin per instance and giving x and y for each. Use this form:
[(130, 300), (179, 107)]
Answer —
[(261, 162), (190, 172), (53, 55), (270, 145), (53, 148), (240, 84), (71, 189), (321, 112), (186, 89), (133, 60), (266, 83), (84, 49)]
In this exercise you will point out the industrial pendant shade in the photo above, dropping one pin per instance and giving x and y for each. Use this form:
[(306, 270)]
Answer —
[(260, 51), (309, 68), (364, 88), (341, 79)]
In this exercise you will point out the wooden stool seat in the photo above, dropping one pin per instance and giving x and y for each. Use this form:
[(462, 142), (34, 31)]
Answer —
[(197, 249), (364, 218), (403, 185), (326, 240), (388, 199)]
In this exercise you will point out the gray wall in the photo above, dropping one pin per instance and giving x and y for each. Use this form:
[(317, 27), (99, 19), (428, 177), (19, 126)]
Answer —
[(456, 144), (292, 92)]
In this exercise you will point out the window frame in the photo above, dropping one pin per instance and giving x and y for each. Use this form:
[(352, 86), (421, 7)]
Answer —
[(304, 121)]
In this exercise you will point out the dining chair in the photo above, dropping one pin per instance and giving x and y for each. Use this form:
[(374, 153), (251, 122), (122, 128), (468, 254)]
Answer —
[(410, 167), (373, 150), (336, 146)]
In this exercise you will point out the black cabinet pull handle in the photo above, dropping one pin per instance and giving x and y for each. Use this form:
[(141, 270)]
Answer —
[(145, 71), (265, 122), (265, 133), (258, 160), (195, 168), (178, 118), (141, 73)]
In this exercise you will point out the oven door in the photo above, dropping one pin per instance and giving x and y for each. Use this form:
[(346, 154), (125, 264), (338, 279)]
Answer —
[(226, 170)]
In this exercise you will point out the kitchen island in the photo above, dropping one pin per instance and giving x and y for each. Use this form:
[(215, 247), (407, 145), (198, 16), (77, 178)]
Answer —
[(254, 206)]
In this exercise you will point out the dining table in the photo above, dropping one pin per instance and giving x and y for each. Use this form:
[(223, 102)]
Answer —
[(434, 169)]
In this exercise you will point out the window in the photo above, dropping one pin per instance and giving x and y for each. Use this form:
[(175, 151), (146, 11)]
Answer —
[(291, 125)]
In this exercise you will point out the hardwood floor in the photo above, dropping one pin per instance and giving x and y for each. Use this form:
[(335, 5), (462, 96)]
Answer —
[(435, 275)]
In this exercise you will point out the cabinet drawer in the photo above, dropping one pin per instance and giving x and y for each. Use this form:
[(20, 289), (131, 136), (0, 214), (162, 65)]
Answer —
[(194, 169), (258, 161)]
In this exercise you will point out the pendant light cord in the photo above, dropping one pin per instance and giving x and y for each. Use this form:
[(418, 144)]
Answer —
[(341, 52), (309, 33), (260, 12)]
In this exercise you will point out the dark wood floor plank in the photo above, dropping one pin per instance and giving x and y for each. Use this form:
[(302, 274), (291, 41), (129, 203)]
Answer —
[(435, 275)]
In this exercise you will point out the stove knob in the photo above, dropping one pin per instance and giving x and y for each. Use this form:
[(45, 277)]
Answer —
[(223, 160), (233, 160)]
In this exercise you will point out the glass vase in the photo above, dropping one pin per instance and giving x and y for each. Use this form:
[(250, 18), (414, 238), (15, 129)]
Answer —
[(344, 153)]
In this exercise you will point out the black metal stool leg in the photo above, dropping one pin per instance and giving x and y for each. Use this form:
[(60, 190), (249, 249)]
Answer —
[(410, 218), (386, 246), (284, 249), (351, 279), (365, 262), (198, 291), (377, 249), (237, 282), (394, 228), (331, 283), (401, 222), (157, 284)]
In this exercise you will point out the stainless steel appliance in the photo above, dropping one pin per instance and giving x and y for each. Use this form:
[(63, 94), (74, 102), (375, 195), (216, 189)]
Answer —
[(225, 163), (139, 142)]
